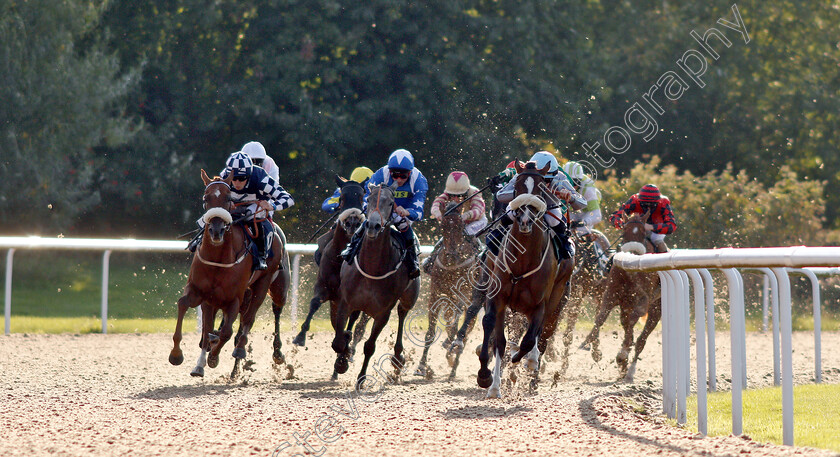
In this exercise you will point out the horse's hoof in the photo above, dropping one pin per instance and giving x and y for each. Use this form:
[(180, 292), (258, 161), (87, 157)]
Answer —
[(516, 357), (532, 364), (533, 385), (485, 378), (584, 346), (457, 347), (446, 342), (213, 361), (176, 358), (341, 365), (279, 358), (212, 338), (494, 392), (198, 372), (239, 353), (334, 376), (450, 358), (596, 355), (300, 339), (421, 370)]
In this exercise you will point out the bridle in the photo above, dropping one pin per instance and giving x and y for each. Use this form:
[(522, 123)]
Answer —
[(386, 221)]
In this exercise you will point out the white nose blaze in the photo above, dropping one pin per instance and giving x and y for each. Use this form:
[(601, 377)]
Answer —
[(529, 184)]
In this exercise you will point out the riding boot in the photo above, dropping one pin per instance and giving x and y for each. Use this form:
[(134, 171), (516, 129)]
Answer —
[(411, 256), (568, 251), (429, 261), (195, 241), (660, 246), (266, 236), (354, 245)]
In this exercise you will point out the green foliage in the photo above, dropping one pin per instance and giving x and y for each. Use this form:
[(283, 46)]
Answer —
[(725, 208), (59, 103)]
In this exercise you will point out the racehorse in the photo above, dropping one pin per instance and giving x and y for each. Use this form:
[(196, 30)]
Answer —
[(637, 293), (220, 275), (533, 281), (449, 282), (350, 218), (372, 283)]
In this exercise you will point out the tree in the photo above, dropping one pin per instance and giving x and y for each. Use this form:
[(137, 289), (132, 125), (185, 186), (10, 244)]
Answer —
[(59, 103)]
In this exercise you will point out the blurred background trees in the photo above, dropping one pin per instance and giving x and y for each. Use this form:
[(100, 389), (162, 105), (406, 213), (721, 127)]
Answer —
[(112, 108)]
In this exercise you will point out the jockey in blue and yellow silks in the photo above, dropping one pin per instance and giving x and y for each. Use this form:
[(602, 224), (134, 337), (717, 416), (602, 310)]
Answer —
[(359, 174), (409, 197)]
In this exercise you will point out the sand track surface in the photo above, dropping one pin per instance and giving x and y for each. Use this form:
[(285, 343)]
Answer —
[(118, 395)]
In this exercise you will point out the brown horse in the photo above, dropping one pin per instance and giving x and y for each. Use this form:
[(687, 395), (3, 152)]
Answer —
[(449, 283), (533, 281), (220, 274), (637, 293), (351, 202), (372, 283)]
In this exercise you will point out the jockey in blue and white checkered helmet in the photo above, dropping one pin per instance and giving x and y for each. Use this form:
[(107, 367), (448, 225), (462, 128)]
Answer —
[(253, 184)]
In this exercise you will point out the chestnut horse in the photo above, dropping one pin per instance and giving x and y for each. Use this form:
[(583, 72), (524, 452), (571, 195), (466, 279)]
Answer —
[(533, 281), (449, 283), (372, 284), (220, 275), (637, 293), (350, 204)]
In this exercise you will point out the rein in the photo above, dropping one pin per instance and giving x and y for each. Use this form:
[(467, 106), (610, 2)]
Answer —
[(514, 279)]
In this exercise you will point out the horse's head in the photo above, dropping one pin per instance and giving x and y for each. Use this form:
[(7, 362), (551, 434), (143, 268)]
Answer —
[(527, 204), (217, 207), (350, 203), (634, 233), (380, 206), (451, 222)]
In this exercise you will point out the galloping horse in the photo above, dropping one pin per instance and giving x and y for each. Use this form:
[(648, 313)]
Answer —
[(372, 284), (533, 282), (220, 275), (448, 275), (637, 293), (350, 218)]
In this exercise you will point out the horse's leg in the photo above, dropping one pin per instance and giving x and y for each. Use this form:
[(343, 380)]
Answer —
[(247, 318), (494, 391), (370, 345), (207, 318), (277, 355), (352, 320), (629, 317), (398, 360), (277, 290), (654, 314), (423, 367), (188, 300), (488, 323), (314, 305), (358, 332), (609, 300), (529, 340), (338, 316), (225, 332)]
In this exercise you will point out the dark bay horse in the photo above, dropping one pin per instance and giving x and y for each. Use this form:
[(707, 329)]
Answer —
[(220, 275), (637, 293), (533, 281), (372, 284), (350, 218), (449, 286)]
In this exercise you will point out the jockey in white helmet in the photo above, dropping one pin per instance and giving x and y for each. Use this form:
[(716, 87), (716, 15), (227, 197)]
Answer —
[(585, 219)]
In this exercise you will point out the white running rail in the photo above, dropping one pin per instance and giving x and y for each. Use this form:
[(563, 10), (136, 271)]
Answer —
[(109, 245), (675, 268)]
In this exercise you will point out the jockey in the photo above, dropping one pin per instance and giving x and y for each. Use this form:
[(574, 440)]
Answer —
[(497, 182), (662, 217), (457, 189), (585, 219), (561, 186), (361, 175), (256, 151), (408, 199), (252, 183)]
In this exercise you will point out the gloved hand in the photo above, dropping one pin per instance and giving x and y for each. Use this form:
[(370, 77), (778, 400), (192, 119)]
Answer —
[(465, 216), (436, 213)]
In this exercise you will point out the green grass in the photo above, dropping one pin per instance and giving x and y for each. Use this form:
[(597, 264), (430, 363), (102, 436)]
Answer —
[(815, 417)]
